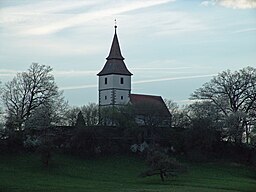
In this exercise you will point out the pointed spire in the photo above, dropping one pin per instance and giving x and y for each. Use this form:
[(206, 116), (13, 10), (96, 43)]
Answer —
[(115, 61), (115, 51)]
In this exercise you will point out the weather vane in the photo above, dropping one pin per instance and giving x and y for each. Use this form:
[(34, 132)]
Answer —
[(115, 22), (115, 26)]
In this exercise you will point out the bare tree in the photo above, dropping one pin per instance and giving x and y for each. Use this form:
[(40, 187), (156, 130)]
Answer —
[(160, 163), (178, 118), (29, 90), (1, 110), (90, 114), (1, 119), (172, 106), (71, 115), (235, 95)]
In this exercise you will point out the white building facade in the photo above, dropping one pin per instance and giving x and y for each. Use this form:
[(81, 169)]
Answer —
[(114, 79)]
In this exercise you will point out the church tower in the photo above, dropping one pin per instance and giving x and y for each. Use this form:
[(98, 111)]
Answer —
[(114, 79)]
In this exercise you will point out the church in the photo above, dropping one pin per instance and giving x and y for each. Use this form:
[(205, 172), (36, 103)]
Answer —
[(114, 86)]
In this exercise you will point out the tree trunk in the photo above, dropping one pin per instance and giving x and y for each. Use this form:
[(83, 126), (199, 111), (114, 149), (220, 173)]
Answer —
[(162, 175), (247, 132)]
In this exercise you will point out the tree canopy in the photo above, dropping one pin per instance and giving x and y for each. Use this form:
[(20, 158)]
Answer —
[(29, 90), (234, 93)]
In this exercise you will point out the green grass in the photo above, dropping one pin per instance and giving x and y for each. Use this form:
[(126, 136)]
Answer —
[(22, 173)]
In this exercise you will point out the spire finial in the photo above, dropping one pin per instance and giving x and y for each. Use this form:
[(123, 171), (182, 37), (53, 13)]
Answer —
[(115, 26)]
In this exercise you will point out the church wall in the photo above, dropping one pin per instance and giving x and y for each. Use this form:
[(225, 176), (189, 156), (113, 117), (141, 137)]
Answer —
[(113, 89), (122, 96), (105, 97), (126, 82), (114, 95), (114, 81)]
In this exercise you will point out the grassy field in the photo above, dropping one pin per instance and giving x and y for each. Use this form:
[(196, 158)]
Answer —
[(23, 173)]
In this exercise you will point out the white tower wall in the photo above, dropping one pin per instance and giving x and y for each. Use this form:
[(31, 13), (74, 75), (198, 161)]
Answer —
[(114, 89)]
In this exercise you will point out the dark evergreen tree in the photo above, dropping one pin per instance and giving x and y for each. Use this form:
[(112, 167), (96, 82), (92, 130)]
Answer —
[(80, 123)]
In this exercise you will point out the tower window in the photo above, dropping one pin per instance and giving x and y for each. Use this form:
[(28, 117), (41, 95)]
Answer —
[(122, 97), (122, 80), (106, 80), (106, 97)]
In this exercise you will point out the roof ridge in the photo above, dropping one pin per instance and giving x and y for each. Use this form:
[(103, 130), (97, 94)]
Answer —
[(145, 95)]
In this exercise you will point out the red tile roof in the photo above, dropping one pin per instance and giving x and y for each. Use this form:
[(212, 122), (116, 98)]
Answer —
[(144, 103)]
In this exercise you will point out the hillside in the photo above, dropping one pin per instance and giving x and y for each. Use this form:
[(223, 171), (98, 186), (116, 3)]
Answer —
[(22, 173)]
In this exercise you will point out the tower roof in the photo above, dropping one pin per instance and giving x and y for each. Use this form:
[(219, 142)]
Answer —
[(115, 61)]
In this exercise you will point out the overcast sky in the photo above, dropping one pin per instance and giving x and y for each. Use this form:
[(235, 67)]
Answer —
[(171, 47)]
